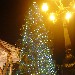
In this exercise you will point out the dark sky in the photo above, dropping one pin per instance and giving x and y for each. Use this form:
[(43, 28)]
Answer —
[(11, 18)]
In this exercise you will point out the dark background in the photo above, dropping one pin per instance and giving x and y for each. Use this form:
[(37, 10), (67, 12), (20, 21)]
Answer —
[(12, 14)]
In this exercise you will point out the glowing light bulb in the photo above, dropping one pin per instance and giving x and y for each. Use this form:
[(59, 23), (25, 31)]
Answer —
[(68, 15), (52, 17), (34, 2), (44, 7)]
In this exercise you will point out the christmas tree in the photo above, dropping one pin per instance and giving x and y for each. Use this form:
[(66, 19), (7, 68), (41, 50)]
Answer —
[(35, 54)]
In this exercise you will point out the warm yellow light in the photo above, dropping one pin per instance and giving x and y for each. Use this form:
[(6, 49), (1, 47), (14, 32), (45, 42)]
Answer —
[(52, 17), (68, 15), (34, 2), (74, 6), (44, 7)]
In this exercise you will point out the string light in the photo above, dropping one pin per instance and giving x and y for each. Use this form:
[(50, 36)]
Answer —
[(37, 53)]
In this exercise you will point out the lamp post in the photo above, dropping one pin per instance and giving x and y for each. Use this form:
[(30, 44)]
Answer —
[(45, 7), (59, 15)]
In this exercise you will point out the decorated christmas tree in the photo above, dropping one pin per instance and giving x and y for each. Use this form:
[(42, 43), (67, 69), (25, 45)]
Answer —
[(35, 54)]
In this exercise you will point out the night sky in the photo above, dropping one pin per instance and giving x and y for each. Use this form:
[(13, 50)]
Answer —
[(12, 14)]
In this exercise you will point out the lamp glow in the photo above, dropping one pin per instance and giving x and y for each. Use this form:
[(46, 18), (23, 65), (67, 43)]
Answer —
[(44, 7), (68, 15), (74, 6), (52, 17)]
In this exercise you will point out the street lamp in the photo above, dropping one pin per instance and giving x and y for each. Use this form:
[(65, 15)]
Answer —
[(58, 15), (45, 7), (68, 15), (52, 17)]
